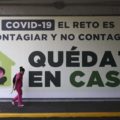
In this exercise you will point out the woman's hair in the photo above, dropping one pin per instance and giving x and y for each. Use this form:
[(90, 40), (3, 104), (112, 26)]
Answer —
[(22, 69)]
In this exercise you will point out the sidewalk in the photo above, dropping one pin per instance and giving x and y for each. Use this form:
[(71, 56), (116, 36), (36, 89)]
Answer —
[(50, 107)]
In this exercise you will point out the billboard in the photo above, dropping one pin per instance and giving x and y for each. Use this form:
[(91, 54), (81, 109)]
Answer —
[(64, 56)]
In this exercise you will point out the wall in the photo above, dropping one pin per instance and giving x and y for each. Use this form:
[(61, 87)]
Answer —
[(58, 8)]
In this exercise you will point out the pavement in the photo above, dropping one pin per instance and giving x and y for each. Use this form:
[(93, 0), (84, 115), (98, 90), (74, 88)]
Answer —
[(84, 108), (74, 106)]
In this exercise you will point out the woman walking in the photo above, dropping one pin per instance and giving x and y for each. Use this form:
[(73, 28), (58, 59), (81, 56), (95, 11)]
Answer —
[(18, 87)]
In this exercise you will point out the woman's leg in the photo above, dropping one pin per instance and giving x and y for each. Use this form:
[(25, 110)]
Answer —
[(15, 99), (19, 97)]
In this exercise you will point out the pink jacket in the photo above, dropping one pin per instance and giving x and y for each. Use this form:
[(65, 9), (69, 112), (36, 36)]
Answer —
[(19, 78)]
